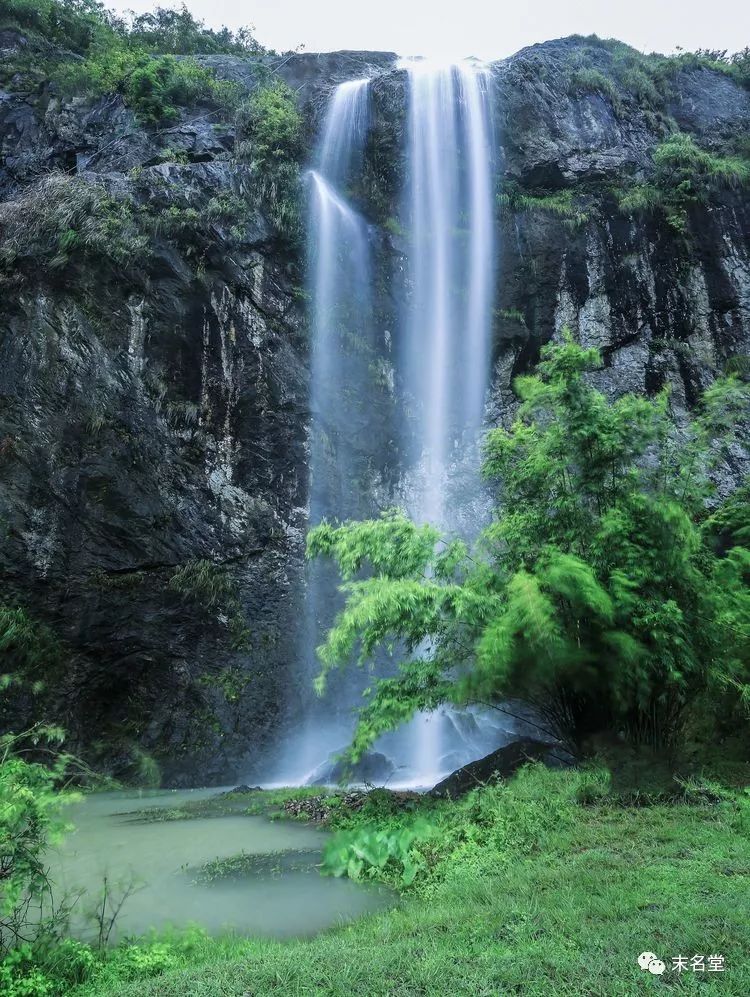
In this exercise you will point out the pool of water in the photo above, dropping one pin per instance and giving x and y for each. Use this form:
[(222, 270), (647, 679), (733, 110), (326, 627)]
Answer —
[(277, 892)]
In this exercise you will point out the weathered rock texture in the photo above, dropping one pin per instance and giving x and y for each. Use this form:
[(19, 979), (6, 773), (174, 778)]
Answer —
[(154, 414)]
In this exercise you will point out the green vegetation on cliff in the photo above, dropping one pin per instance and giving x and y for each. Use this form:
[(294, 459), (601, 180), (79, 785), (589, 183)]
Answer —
[(147, 62), (684, 174)]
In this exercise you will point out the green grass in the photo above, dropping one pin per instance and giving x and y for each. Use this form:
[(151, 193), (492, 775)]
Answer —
[(562, 204), (548, 886), (590, 80), (684, 174)]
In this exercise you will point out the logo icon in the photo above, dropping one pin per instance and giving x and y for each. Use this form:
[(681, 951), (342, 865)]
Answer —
[(651, 962)]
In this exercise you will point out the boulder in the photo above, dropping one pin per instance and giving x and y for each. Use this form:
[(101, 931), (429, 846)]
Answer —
[(500, 764), (374, 767)]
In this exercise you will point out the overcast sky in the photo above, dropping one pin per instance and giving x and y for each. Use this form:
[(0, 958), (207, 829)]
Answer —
[(487, 29)]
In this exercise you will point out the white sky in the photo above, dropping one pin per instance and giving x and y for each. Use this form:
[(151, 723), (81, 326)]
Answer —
[(487, 29)]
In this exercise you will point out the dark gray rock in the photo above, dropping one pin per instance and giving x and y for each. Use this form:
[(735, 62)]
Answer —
[(500, 764), (374, 768)]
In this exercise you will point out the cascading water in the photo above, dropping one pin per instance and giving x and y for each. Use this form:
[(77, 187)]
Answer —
[(443, 367), (340, 277), (451, 264), (451, 269)]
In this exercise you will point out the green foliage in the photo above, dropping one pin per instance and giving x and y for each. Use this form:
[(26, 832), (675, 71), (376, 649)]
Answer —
[(20, 977), (232, 682), (177, 32), (64, 218), (155, 87), (649, 78), (590, 80), (28, 648), (512, 315), (72, 24), (78, 24), (211, 586), (680, 159), (393, 227), (586, 881), (270, 141), (272, 125), (144, 770), (736, 65), (378, 852), (140, 962), (640, 199), (684, 174), (562, 204), (30, 819), (597, 591), (114, 57)]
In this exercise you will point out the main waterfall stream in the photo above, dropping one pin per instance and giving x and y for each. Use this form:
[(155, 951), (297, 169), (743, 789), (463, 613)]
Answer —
[(441, 355)]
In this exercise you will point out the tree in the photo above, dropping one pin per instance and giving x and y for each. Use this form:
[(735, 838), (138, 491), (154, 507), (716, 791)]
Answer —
[(177, 32), (600, 590)]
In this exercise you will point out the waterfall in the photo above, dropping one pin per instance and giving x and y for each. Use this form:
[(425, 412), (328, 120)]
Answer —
[(444, 336), (340, 279), (339, 287), (451, 264), (449, 217)]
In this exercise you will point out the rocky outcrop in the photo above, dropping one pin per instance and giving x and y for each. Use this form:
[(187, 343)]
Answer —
[(664, 305), (154, 388), (153, 401), (500, 764)]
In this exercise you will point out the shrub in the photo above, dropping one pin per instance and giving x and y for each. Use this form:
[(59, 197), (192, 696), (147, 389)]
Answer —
[(561, 204), (684, 174), (271, 125), (641, 199), (29, 649), (590, 80), (62, 217), (118, 58), (155, 87), (270, 140), (385, 853), (680, 158), (596, 592), (177, 32), (211, 586), (30, 819), (73, 24)]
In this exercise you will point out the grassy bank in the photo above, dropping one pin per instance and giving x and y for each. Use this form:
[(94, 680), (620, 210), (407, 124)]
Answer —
[(550, 885)]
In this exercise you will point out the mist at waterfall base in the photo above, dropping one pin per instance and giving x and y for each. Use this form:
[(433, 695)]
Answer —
[(442, 357)]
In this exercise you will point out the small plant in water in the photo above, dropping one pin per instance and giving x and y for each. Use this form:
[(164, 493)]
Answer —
[(370, 852)]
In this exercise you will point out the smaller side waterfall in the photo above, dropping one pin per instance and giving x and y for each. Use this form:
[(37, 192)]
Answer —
[(339, 286), (340, 267), (344, 131)]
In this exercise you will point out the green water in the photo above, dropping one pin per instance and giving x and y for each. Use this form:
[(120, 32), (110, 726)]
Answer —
[(282, 895)]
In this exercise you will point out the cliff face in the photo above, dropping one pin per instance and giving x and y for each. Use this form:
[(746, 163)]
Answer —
[(154, 387), (666, 297)]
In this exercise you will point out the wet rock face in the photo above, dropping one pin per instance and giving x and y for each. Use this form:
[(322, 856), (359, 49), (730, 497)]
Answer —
[(170, 432), (154, 412), (153, 436), (665, 306)]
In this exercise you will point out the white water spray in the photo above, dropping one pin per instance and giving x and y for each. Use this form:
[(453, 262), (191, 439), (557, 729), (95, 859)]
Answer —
[(451, 268)]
